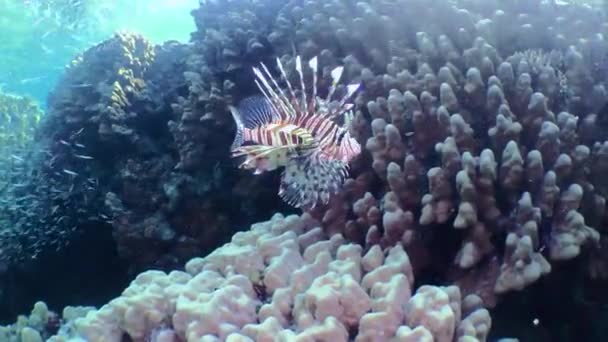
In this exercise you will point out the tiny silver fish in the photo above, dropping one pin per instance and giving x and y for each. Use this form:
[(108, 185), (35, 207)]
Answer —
[(70, 172), (81, 85), (77, 132), (30, 80), (17, 158)]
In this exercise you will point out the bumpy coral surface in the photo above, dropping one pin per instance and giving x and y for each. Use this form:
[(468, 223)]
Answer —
[(41, 323), (284, 280)]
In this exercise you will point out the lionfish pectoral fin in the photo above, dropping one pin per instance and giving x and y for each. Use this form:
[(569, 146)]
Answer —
[(262, 157), (308, 182), (258, 163), (259, 150)]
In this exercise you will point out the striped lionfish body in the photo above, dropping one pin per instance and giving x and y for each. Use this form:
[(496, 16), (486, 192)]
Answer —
[(297, 132)]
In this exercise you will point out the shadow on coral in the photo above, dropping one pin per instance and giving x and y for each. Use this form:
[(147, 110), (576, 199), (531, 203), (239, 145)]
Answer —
[(564, 306)]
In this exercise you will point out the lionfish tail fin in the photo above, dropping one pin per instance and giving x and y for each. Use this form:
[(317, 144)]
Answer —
[(256, 111), (240, 127), (252, 112), (308, 182)]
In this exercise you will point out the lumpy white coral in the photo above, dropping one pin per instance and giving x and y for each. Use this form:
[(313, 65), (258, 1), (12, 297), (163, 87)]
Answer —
[(284, 280)]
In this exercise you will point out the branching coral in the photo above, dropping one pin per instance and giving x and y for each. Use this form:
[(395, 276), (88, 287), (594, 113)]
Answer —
[(495, 131)]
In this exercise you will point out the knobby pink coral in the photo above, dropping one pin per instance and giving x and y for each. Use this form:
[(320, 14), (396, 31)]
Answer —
[(285, 280)]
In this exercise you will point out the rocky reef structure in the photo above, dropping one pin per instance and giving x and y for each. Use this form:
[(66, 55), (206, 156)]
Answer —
[(114, 112), (484, 124)]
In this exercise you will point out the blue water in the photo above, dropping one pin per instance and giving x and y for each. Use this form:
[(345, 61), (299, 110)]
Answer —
[(39, 37)]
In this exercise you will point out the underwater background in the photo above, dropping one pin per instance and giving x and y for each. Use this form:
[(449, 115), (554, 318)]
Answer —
[(41, 37), (474, 208)]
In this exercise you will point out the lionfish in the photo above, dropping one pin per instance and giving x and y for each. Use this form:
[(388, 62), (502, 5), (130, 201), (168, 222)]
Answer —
[(299, 132)]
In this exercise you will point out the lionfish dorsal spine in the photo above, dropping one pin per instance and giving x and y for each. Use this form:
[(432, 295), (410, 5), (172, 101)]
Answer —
[(273, 98), (336, 74), (263, 84), (350, 90), (313, 64), (284, 75), (303, 105), (348, 118), (283, 99), (345, 107), (266, 95)]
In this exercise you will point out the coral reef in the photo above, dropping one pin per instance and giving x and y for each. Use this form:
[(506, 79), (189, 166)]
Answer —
[(284, 280), (41, 324), (484, 126), (466, 133)]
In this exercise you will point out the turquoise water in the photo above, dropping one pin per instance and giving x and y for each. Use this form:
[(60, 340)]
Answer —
[(40, 37)]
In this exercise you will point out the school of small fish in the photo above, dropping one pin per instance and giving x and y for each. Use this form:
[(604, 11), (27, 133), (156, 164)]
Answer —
[(41, 203)]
